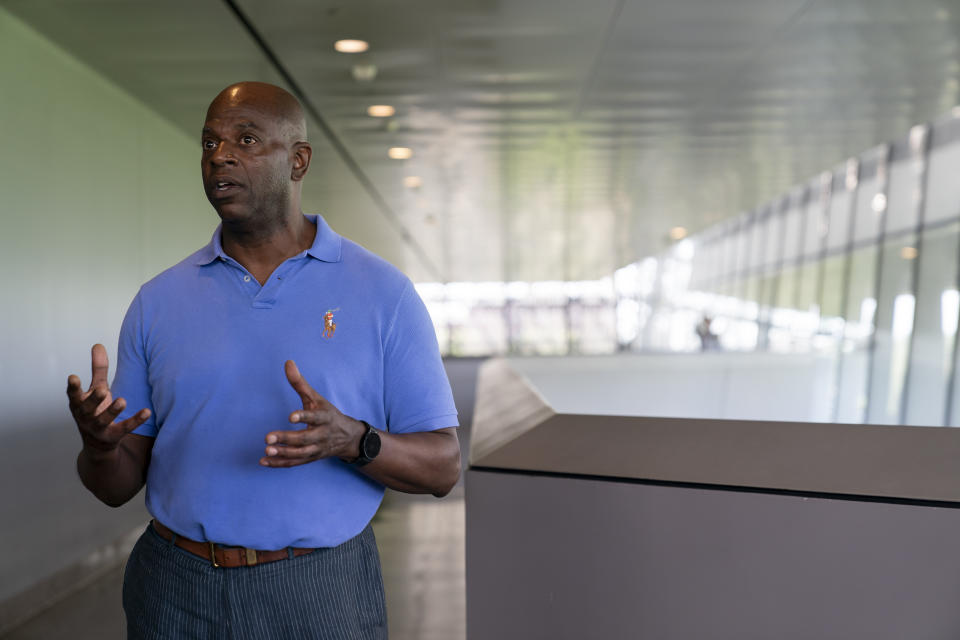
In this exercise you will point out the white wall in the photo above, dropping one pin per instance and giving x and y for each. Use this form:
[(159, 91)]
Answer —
[(97, 194)]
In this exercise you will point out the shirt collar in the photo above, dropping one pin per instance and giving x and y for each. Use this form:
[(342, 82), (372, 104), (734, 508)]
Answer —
[(326, 245)]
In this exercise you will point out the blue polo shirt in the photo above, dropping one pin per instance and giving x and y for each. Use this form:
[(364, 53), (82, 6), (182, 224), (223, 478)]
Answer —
[(203, 346)]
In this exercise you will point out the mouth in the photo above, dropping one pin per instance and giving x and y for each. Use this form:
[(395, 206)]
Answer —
[(224, 186)]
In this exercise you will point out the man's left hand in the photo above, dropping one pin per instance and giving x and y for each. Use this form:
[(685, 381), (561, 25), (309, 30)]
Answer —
[(328, 433)]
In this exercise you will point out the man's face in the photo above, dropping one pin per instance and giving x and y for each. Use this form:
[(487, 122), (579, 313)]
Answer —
[(247, 160)]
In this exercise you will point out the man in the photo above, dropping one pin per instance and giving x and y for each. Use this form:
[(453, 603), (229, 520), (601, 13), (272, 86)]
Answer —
[(260, 530)]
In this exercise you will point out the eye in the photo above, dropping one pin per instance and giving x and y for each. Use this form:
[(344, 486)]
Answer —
[(248, 139), (209, 144)]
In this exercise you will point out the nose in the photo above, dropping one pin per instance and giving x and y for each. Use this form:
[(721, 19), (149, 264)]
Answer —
[(222, 155)]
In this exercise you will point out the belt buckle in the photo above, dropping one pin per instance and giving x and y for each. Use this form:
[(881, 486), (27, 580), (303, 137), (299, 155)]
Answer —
[(251, 556), (213, 554)]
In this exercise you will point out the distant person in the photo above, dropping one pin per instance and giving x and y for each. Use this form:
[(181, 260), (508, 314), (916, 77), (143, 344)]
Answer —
[(709, 341), (262, 530)]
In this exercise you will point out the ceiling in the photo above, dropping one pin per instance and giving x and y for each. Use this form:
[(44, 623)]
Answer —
[(554, 139)]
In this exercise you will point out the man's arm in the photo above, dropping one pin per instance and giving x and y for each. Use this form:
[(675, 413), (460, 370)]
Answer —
[(113, 462), (424, 462)]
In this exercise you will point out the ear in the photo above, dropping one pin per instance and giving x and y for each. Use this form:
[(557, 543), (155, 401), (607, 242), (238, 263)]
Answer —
[(302, 152)]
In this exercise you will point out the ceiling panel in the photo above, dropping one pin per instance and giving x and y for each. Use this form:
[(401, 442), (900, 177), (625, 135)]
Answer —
[(553, 139)]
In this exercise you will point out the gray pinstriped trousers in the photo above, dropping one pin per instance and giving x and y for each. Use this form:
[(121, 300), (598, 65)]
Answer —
[(333, 593)]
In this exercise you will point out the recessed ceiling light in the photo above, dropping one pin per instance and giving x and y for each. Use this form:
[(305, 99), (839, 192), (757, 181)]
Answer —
[(678, 233), (380, 110), (351, 46), (366, 72), (412, 182), (400, 153)]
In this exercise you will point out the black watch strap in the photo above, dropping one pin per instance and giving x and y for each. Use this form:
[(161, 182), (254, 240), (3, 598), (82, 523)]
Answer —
[(369, 446)]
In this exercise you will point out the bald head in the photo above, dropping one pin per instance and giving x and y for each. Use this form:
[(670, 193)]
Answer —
[(269, 99), (255, 154)]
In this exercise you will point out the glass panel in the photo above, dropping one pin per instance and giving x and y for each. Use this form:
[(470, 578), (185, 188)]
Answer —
[(744, 237), (808, 296), (832, 295), (703, 265), (870, 207), (830, 333), (902, 196), (752, 292), (773, 239), (728, 250), (943, 188), (593, 327), (482, 332), (783, 315), (539, 330), (787, 288), (712, 263), (895, 315), (838, 230), (792, 237), (730, 240), (935, 328), (816, 228), (808, 307), (859, 317), (757, 238)]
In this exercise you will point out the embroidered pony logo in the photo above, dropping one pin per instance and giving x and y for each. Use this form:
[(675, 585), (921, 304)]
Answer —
[(329, 326)]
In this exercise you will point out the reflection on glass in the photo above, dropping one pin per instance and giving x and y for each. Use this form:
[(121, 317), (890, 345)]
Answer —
[(773, 240), (831, 298), (903, 196), (792, 233), (815, 230), (895, 308), (904, 306), (870, 207), (838, 232), (936, 327), (757, 239), (943, 188), (859, 316), (830, 333), (807, 321)]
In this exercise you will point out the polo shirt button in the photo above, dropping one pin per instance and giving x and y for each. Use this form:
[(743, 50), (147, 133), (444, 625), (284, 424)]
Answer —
[(246, 278)]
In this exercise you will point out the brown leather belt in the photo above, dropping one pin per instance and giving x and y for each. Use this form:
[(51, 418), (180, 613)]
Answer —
[(221, 556)]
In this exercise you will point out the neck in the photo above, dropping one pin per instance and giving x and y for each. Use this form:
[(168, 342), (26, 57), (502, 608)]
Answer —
[(261, 248)]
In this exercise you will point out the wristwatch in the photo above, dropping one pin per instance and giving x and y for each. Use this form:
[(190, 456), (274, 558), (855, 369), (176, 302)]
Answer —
[(369, 446)]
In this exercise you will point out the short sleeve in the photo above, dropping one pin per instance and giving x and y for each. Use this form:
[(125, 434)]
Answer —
[(132, 381), (417, 394)]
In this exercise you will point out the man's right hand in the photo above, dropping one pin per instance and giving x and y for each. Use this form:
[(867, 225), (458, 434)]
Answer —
[(95, 410)]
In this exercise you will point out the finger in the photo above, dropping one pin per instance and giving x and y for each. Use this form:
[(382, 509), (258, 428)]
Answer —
[(99, 365), (74, 390), (293, 438), (93, 400), (134, 421), (274, 461), (311, 416), (308, 451), (308, 395), (108, 415)]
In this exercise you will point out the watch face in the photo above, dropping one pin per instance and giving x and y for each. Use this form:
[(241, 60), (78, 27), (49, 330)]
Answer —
[(371, 444)]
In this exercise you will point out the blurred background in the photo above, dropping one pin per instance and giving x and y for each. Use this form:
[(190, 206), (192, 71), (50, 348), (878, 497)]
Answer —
[(721, 179)]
